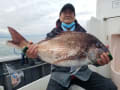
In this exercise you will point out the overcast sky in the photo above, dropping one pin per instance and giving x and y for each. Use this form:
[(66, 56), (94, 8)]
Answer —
[(39, 16)]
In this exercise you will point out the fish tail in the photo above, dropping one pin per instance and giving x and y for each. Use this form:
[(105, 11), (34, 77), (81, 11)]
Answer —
[(18, 41)]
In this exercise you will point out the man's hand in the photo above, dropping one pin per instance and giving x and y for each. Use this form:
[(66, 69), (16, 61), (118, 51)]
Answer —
[(32, 50), (104, 58)]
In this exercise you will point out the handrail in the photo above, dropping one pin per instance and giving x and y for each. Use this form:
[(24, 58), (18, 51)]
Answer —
[(105, 19), (9, 58), (13, 58), (22, 69)]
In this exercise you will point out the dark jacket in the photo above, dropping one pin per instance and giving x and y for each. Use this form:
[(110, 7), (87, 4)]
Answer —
[(62, 75), (58, 29)]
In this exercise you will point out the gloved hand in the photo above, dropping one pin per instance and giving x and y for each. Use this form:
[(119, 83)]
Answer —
[(32, 50)]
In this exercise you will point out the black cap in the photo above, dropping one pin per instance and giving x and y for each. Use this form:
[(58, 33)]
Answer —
[(68, 6)]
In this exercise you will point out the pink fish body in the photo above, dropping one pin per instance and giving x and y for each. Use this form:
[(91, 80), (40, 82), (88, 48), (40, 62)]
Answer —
[(66, 49)]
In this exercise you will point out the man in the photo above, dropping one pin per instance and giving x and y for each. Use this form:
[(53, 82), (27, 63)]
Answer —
[(63, 77)]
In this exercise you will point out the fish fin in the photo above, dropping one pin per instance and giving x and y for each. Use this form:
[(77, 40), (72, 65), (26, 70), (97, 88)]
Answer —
[(18, 41)]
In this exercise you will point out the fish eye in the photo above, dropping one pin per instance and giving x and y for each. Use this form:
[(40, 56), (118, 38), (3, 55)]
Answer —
[(98, 45)]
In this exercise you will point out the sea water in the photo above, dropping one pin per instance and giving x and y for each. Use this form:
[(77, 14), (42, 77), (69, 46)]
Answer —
[(6, 51)]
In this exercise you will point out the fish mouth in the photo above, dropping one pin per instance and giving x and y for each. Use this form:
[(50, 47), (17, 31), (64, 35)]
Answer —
[(105, 49)]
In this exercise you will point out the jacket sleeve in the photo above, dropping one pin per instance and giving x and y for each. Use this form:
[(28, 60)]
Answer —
[(80, 28), (52, 34)]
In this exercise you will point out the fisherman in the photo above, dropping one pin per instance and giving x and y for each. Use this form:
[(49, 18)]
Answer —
[(63, 77)]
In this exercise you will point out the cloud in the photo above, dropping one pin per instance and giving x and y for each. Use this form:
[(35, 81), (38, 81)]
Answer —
[(39, 16)]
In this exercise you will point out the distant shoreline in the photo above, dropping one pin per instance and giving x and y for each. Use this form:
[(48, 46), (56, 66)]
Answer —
[(4, 37)]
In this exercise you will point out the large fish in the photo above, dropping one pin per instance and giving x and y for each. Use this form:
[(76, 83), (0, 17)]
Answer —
[(66, 49)]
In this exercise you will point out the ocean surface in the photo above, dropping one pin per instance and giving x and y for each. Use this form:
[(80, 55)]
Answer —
[(6, 51)]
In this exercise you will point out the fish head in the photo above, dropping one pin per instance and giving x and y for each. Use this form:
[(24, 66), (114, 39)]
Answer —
[(95, 51)]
